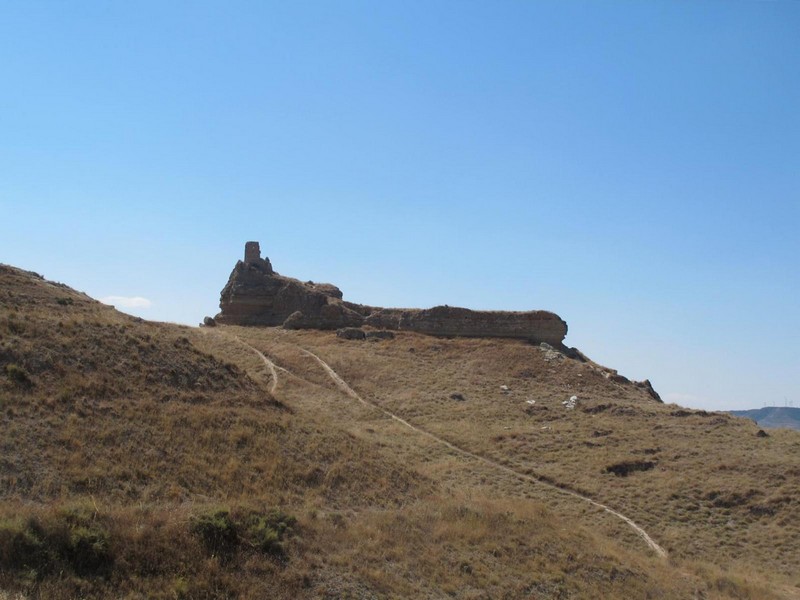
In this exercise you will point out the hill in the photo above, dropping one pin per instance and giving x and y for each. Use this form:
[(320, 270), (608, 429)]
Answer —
[(154, 460), (772, 417)]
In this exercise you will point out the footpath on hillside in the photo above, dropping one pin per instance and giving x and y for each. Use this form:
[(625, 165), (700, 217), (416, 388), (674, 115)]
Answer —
[(347, 390)]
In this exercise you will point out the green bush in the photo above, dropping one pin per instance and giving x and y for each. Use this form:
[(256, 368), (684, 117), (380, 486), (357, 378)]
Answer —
[(266, 532), (87, 550), (22, 547), (217, 533), (221, 534), (59, 542)]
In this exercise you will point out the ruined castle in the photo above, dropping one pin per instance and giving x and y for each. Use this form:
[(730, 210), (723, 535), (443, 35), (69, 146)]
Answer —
[(256, 295)]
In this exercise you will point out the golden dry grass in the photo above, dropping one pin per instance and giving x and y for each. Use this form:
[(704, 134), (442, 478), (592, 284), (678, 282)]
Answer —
[(717, 492), (125, 433)]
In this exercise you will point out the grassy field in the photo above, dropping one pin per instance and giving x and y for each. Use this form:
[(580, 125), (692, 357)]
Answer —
[(709, 486), (152, 460)]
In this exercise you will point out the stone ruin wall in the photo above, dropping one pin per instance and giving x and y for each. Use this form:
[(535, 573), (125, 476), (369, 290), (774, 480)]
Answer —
[(256, 295)]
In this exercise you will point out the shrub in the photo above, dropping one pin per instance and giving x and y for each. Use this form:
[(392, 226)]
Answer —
[(88, 550), (217, 533), (19, 376), (266, 532), (625, 468), (221, 534), (22, 546), (40, 546)]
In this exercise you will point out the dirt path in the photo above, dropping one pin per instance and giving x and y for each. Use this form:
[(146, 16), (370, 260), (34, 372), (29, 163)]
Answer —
[(273, 368), (346, 389)]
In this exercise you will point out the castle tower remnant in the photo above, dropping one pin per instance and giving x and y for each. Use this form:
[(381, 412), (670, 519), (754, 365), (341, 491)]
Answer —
[(252, 252)]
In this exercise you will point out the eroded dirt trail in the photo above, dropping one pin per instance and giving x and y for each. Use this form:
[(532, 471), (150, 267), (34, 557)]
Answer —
[(273, 368), (346, 389)]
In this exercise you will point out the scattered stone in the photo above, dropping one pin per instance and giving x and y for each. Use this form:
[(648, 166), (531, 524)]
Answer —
[(505, 389), (351, 333), (762, 434), (457, 396), (570, 404), (550, 353), (209, 322)]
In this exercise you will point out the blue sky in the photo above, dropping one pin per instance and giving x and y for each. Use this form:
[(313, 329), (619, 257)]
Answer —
[(633, 166)]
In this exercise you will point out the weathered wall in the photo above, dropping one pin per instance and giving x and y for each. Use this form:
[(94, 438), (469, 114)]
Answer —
[(537, 325), (256, 295)]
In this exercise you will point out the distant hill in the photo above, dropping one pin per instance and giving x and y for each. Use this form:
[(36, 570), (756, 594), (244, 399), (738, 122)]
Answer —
[(772, 416)]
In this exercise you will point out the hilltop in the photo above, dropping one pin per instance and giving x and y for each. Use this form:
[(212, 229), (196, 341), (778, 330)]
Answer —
[(256, 295), (147, 459)]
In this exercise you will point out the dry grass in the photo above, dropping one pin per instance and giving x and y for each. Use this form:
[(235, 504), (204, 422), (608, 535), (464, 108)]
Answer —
[(716, 491), (120, 436)]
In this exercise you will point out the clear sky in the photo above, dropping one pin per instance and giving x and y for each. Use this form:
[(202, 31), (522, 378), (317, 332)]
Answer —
[(633, 166)]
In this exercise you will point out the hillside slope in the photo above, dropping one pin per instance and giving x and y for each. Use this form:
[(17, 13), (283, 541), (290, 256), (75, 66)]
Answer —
[(120, 435), (153, 460), (706, 486), (772, 417)]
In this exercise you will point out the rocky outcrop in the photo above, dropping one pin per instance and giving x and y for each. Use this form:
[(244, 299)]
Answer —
[(256, 295), (351, 333)]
